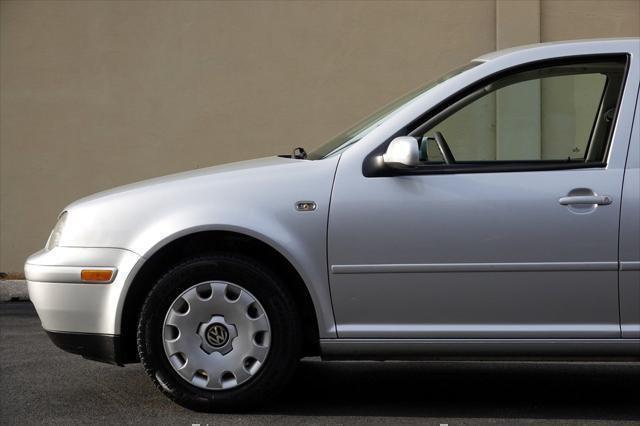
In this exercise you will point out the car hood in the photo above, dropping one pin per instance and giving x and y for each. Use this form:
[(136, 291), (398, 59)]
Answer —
[(230, 196), (184, 178)]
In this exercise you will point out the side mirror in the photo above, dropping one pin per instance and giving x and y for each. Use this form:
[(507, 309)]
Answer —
[(402, 152)]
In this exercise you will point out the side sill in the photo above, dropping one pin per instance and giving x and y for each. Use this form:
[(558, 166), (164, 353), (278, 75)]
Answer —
[(96, 347), (477, 349)]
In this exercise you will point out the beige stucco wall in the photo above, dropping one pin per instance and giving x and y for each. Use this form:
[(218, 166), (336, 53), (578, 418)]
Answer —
[(97, 94)]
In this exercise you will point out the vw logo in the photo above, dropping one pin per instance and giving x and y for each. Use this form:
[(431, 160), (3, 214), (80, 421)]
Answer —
[(217, 335)]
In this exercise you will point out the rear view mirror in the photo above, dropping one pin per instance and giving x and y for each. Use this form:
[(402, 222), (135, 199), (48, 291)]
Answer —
[(402, 152)]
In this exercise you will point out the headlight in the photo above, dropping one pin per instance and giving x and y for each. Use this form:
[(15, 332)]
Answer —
[(54, 238)]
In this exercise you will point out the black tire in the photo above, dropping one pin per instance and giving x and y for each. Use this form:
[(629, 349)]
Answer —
[(285, 348)]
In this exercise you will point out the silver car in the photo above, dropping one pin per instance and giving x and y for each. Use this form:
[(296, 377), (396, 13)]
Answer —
[(492, 213)]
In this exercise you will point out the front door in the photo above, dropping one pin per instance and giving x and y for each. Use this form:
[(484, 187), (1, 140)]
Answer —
[(517, 237)]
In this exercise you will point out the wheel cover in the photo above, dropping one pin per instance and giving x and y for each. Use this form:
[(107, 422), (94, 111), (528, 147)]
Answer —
[(216, 335)]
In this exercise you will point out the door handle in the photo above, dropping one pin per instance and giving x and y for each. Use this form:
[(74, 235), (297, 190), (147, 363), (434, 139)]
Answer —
[(602, 200)]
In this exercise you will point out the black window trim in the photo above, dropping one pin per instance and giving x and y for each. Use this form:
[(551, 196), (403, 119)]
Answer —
[(373, 166), (594, 125)]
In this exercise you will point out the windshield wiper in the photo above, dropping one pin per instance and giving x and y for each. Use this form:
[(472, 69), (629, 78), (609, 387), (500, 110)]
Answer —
[(299, 153)]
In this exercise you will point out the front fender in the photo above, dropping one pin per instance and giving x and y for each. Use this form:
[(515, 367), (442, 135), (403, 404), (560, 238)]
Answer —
[(309, 260), (256, 199)]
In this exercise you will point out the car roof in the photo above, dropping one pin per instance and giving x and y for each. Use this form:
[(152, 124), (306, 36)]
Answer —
[(614, 44)]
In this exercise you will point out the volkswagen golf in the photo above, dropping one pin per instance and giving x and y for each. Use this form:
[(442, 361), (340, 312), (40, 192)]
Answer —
[(493, 213)]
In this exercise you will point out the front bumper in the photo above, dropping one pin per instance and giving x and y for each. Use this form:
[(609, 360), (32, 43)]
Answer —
[(80, 317), (97, 347)]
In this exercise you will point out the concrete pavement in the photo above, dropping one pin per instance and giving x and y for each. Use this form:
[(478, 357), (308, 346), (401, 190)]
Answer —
[(41, 384), (13, 290)]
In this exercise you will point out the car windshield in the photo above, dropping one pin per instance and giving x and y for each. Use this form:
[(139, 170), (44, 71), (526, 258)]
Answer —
[(360, 130)]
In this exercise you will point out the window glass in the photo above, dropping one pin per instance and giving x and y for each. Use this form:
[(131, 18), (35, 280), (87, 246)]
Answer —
[(361, 129), (543, 115)]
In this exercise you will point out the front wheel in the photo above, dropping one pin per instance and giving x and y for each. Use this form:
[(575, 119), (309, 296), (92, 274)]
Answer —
[(219, 333)]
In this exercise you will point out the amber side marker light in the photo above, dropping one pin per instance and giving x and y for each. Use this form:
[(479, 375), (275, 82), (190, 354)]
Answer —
[(96, 275)]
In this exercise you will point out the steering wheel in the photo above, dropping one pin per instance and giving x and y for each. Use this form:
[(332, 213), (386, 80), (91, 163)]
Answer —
[(444, 148)]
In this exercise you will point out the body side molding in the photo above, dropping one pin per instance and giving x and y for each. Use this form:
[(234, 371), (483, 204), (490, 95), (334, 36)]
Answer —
[(474, 267)]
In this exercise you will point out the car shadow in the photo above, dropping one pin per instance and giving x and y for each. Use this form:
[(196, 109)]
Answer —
[(72, 389), (608, 391)]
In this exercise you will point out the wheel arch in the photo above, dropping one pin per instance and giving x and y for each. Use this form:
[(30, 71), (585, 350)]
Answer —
[(201, 241)]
